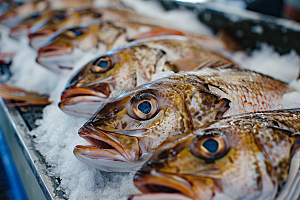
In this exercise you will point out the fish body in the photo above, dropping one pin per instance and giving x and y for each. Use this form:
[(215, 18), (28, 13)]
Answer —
[(251, 156), (130, 125), (61, 20), (18, 13), (176, 48)]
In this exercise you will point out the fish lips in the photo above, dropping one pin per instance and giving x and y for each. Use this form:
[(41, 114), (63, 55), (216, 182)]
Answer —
[(83, 101), (156, 185), (58, 58), (38, 38), (110, 151), (18, 32)]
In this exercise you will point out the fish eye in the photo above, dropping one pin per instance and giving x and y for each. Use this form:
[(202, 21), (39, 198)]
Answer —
[(75, 32), (143, 106), (101, 65), (210, 146)]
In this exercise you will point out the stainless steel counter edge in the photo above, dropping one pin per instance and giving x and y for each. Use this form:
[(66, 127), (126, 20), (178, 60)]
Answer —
[(33, 181)]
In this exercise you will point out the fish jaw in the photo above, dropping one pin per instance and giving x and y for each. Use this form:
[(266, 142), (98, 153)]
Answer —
[(58, 59), (150, 181), (158, 196), (107, 160), (18, 31), (82, 101), (36, 39), (110, 149)]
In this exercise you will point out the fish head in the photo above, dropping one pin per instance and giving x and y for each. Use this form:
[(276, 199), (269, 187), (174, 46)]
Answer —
[(65, 49), (15, 15), (120, 70), (134, 123), (242, 159), (22, 28), (59, 20)]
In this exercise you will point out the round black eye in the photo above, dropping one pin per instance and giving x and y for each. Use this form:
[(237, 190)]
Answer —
[(101, 65), (75, 32), (143, 106), (211, 146), (59, 16)]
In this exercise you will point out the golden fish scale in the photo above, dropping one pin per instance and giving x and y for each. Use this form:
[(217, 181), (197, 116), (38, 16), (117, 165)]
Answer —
[(108, 33), (250, 91), (186, 49)]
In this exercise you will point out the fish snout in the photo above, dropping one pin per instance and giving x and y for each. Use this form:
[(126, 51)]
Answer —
[(54, 50), (57, 57), (39, 37), (81, 102), (156, 185), (127, 146)]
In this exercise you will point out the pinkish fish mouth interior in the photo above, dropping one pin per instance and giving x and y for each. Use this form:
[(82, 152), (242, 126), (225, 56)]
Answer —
[(98, 143)]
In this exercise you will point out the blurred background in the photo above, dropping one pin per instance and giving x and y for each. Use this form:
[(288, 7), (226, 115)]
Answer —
[(289, 9)]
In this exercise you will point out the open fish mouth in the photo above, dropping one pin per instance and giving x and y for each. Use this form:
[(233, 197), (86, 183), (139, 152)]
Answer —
[(17, 32), (38, 38), (156, 185), (110, 151), (83, 102), (58, 58)]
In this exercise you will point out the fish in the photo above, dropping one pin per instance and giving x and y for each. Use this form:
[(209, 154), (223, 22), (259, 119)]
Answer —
[(60, 20), (250, 156), (177, 50), (130, 125), (16, 14), (93, 84)]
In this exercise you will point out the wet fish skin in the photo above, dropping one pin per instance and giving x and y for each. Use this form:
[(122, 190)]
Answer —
[(257, 155), (123, 70), (62, 19), (176, 47), (70, 45), (30, 23), (179, 103), (18, 13), (66, 48)]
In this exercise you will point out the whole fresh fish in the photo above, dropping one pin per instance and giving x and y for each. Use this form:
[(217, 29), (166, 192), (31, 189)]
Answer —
[(253, 156), (130, 125), (91, 96), (18, 13), (61, 20)]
